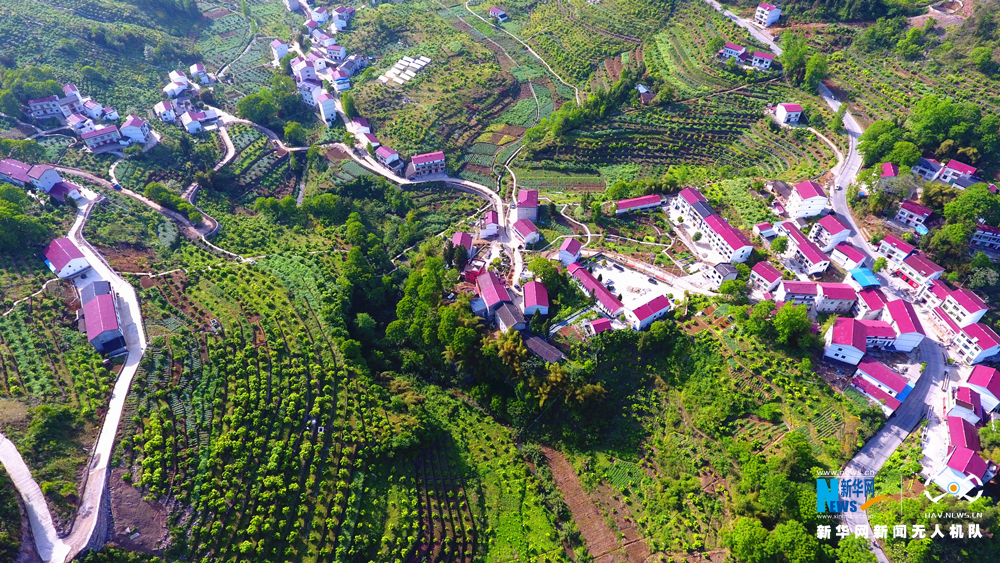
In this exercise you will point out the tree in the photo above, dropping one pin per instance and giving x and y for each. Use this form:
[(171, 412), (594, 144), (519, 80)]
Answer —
[(696, 237), (461, 257), (258, 108), (295, 134), (286, 62), (816, 70), (937, 195), (854, 549), (748, 541), (9, 105), (794, 543), (778, 496), (347, 102), (949, 243), (350, 140), (879, 140), (983, 277), (793, 57), (904, 153), (973, 204), (448, 253), (879, 264), (791, 323), (779, 245), (735, 291)]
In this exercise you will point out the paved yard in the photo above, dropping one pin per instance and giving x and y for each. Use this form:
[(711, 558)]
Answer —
[(634, 286)]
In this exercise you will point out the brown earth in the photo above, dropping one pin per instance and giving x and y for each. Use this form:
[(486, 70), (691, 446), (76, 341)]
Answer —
[(599, 537), (218, 13), (128, 259), (131, 512)]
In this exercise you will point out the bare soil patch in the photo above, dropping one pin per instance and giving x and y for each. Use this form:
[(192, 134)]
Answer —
[(128, 258), (337, 154), (599, 537), (132, 514), (218, 13)]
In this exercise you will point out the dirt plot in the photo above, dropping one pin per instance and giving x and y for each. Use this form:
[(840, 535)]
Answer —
[(600, 538), (128, 259), (132, 514)]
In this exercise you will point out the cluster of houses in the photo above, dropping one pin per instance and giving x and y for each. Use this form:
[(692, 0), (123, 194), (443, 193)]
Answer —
[(420, 165), (955, 172), (691, 208), (758, 59), (179, 83), (42, 177), (99, 314), (90, 120), (968, 407), (404, 70), (338, 17), (78, 111)]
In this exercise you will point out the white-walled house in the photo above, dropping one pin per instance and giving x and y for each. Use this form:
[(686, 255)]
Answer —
[(278, 50), (174, 89), (849, 257), (527, 204), (871, 304), (904, 321), (788, 113), (491, 224), (198, 73), (569, 251), (894, 249), (805, 252), (912, 213), (526, 231), (536, 298), (645, 314), (976, 343), (327, 105), (846, 341), (178, 76), (720, 273), (730, 50), (101, 136), (764, 276), (43, 177), (64, 258), (883, 385), (806, 200), (956, 170), (797, 292), (964, 307), (135, 129), (986, 236), (965, 403), (692, 206), (727, 240), (917, 270), (762, 60), (190, 122), (165, 111), (766, 14), (986, 381), (835, 298), (828, 232)]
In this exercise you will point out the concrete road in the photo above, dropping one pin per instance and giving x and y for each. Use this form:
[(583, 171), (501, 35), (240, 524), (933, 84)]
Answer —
[(757, 33), (878, 449)]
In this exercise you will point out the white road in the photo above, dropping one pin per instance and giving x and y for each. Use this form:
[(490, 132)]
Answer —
[(50, 547)]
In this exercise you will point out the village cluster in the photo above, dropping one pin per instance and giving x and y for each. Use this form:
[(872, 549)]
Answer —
[(94, 123)]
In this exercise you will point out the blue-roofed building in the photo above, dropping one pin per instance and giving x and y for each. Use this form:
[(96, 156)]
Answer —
[(864, 277)]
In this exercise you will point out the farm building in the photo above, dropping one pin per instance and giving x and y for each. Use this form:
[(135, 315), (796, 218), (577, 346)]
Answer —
[(104, 330), (527, 204), (539, 347), (788, 113), (64, 258), (644, 315), (569, 251), (766, 14), (638, 204), (536, 298)]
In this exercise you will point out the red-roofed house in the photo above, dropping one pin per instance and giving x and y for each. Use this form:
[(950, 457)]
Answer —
[(427, 164), (135, 129), (835, 298), (828, 232), (638, 204), (14, 172), (527, 204), (885, 401), (884, 378), (600, 325), (491, 224), (463, 239), (766, 14), (871, 304), (692, 207), (788, 113), (935, 293), (569, 251), (845, 341), (797, 292), (389, 157), (878, 334), (894, 249), (912, 213), (165, 111), (764, 276), (64, 258), (103, 325), (964, 307), (903, 318), (986, 381), (644, 315), (43, 177), (606, 300), (956, 169), (917, 270), (526, 231), (100, 136), (762, 60), (986, 237), (62, 190), (727, 240), (977, 342), (765, 229), (732, 50), (44, 107), (808, 257), (889, 170), (806, 200), (536, 298), (492, 291), (963, 464), (849, 257), (964, 403)]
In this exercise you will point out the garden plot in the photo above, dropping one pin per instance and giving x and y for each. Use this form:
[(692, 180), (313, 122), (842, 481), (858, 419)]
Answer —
[(634, 287)]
